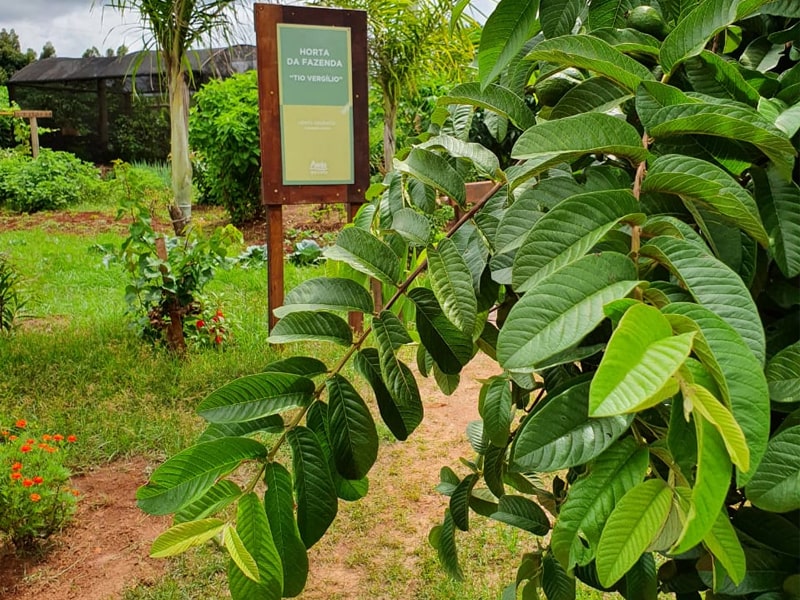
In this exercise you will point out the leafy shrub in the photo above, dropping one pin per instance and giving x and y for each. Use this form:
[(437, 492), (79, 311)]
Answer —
[(306, 252), (634, 274), (13, 132), (224, 135), (36, 500), (52, 181), (168, 275), (12, 302), (141, 134)]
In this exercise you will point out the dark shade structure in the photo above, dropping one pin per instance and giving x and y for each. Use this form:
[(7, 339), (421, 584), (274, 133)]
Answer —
[(96, 113)]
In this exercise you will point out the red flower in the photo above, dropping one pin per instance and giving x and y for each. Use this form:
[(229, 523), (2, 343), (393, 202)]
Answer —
[(17, 466), (58, 437), (25, 449), (16, 476), (27, 483), (218, 339), (72, 439), (200, 324), (75, 493), (38, 480), (30, 441), (21, 424), (219, 313), (35, 497)]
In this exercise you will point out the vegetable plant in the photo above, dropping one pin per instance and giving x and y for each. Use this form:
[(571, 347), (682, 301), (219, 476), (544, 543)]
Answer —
[(633, 270)]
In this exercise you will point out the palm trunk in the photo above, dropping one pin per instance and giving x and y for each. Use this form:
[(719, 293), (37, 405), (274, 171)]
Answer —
[(181, 207), (389, 120)]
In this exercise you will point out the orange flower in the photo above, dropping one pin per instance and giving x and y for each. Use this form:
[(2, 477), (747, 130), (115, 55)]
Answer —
[(21, 424), (27, 483), (72, 439), (35, 497), (16, 476), (4, 433), (25, 449), (12, 438), (30, 441), (58, 437), (47, 437), (42, 445), (38, 480), (17, 466), (75, 493), (49, 449)]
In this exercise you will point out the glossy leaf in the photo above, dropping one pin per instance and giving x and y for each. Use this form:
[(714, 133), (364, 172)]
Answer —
[(485, 161), (507, 29), (775, 486), (595, 55), (256, 537), (713, 411), (692, 32), (568, 232), (442, 537), (493, 97), (452, 283), (240, 556), (596, 94), (315, 493), (400, 417), (353, 437), (561, 434), (496, 411), (297, 365), (609, 13), (522, 513), (220, 495), (326, 293), (725, 546), (736, 372), (711, 74), (713, 285), (783, 375), (640, 359), (434, 170), (700, 183), (279, 508), (635, 522), (556, 583), (459, 501), (564, 140), (311, 327), (255, 397), (558, 17), (562, 309), (450, 348), (186, 476), (592, 498), (179, 538), (779, 203), (710, 487), (367, 254), (727, 122)]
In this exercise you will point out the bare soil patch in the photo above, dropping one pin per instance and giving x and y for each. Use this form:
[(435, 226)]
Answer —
[(102, 552)]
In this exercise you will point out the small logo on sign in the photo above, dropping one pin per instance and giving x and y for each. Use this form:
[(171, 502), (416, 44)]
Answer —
[(318, 167)]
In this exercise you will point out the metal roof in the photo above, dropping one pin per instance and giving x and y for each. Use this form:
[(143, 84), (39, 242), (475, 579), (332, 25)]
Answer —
[(215, 62)]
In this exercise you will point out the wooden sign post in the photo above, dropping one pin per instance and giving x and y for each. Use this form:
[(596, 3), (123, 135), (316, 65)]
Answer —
[(32, 116), (312, 88)]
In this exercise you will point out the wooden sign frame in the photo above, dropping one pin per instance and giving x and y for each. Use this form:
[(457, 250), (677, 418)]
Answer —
[(274, 193)]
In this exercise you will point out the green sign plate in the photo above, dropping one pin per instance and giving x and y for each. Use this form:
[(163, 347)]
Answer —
[(316, 104)]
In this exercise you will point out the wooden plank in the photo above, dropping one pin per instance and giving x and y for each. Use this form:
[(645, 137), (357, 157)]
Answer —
[(33, 114), (274, 261), (34, 137)]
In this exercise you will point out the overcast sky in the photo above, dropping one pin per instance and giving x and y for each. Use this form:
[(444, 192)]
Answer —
[(75, 25)]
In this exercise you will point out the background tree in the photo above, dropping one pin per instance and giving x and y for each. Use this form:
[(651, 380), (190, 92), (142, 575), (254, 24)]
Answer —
[(12, 59), (408, 42), (48, 51), (173, 27)]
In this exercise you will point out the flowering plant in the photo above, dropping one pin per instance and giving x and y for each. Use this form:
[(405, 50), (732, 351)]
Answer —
[(36, 499), (212, 328)]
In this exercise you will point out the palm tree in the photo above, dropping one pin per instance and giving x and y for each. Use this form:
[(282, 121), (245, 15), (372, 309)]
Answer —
[(176, 25), (409, 40)]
